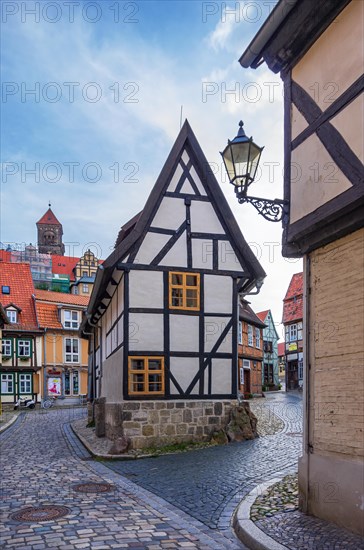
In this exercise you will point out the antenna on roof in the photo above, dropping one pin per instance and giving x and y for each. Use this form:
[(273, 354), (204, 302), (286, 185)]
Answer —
[(180, 118)]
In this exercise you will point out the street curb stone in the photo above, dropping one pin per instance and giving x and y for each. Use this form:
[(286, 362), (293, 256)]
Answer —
[(9, 423), (246, 529)]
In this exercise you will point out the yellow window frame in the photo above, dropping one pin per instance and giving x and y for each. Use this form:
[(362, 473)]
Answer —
[(145, 372), (184, 287)]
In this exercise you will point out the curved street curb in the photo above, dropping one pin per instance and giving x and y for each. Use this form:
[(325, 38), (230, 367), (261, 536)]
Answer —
[(246, 529), (9, 423)]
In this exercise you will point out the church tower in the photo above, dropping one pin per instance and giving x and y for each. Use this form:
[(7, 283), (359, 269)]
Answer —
[(50, 233)]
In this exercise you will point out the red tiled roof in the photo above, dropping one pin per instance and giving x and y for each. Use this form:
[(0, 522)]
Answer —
[(295, 286), (5, 256), (49, 218), (262, 314), (281, 348), (64, 265), (61, 298), (48, 315), (19, 278), (293, 301)]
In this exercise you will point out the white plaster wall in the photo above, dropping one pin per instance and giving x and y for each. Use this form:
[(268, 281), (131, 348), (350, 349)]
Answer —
[(309, 188), (175, 179), (114, 306), (146, 332), (214, 327), (185, 157), (227, 257), (171, 214), (120, 295), (349, 123), (146, 289), (197, 181), (120, 330), (202, 253), (112, 377), (204, 218), (184, 332), (184, 370), (334, 61), (218, 294), (177, 256), (221, 376), (150, 247), (298, 122)]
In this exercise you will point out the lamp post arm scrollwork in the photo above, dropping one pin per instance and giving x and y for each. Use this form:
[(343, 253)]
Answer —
[(273, 210)]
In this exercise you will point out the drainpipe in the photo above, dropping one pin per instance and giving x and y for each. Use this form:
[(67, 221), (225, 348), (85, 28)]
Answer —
[(307, 394)]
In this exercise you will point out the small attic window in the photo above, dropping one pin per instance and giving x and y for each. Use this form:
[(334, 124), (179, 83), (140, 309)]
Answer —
[(5, 289)]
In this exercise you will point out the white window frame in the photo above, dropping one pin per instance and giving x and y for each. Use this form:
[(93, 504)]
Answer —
[(25, 379), (12, 315), (246, 364), (85, 288), (292, 332), (71, 356), (24, 348), (250, 336), (6, 347), (6, 379), (257, 337), (240, 332), (71, 319), (241, 376)]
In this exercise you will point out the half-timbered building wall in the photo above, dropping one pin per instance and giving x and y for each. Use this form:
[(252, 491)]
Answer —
[(168, 309)]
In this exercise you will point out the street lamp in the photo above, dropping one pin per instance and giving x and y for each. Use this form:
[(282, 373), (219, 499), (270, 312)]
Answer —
[(241, 158)]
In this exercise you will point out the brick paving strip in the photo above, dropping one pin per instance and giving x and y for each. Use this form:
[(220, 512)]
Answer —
[(41, 461), (269, 519)]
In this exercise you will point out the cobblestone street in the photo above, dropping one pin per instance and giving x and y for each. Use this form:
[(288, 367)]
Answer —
[(176, 501)]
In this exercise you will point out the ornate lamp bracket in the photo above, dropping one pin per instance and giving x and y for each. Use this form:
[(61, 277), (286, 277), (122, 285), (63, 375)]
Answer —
[(273, 210)]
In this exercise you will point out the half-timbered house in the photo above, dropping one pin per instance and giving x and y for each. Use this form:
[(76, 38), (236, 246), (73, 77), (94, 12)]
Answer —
[(21, 336), (270, 375), (163, 315), (317, 46)]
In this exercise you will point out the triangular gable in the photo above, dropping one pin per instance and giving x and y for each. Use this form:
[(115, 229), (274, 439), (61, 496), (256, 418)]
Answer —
[(186, 162), (187, 149)]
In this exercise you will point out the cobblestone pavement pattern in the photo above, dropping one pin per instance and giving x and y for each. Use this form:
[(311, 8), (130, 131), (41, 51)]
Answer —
[(209, 483), (41, 461), (276, 513)]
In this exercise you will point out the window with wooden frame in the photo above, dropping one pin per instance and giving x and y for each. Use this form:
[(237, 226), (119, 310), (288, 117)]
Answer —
[(146, 376), (184, 291)]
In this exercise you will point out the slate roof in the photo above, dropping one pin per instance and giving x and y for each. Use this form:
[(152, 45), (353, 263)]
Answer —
[(19, 278), (247, 314), (61, 298), (49, 218), (293, 300)]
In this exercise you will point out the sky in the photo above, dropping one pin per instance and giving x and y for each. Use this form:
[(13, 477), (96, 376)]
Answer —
[(91, 106)]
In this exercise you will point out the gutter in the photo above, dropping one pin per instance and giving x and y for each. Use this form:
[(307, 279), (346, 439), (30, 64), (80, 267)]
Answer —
[(252, 55)]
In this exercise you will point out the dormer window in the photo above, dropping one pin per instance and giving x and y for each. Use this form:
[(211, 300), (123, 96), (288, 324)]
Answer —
[(12, 315), (71, 319), (5, 289)]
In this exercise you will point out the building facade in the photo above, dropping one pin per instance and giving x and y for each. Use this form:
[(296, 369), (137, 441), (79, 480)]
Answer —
[(64, 356), (164, 310), (270, 372), (250, 342), (318, 49), (21, 337), (293, 330)]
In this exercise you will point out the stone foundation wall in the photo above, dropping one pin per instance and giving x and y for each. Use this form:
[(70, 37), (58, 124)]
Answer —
[(157, 423)]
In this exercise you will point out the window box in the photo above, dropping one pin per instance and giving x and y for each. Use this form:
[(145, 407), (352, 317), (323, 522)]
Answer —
[(6, 357)]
